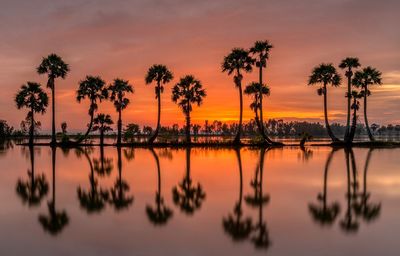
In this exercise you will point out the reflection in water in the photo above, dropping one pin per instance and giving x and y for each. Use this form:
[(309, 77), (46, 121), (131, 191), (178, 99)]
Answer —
[(238, 228), (95, 199), (119, 198), (35, 188), (55, 221), (324, 213), (186, 195), (103, 166), (160, 214)]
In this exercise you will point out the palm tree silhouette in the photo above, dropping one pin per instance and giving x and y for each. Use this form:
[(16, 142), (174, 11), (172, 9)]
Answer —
[(363, 79), (103, 166), (188, 196), (92, 88), (236, 62), (368, 211), (161, 75), (355, 106), (118, 89), (324, 213), (56, 220), (54, 67), (260, 52), (102, 122), (160, 214), (255, 90), (119, 199), (325, 74), (35, 188), (349, 63), (234, 225), (188, 91), (93, 200), (32, 97)]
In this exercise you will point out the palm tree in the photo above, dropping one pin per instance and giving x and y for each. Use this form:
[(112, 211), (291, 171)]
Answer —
[(54, 67), (160, 214), (234, 63), (118, 198), (238, 228), (102, 124), (349, 63), (260, 52), (93, 200), (35, 189), (55, 222), (355, 106), (188, 91), (92, 88), (161, 75), (325, 74), (118, 89), (363, 79), (256, 89), (325, 214), (188, 196), (32, 97)]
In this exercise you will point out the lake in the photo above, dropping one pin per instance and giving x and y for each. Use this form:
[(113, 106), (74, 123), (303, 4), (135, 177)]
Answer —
[(283, 201)]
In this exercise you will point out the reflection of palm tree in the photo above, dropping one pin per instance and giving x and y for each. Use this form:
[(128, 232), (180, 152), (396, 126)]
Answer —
[(234, 225), (186, 195), (325, 214), (349, 224), (257, 198), (94, 199), (118, 198), (368, 211), (56, 220), (161, 213), (103, 166), (34, 190)]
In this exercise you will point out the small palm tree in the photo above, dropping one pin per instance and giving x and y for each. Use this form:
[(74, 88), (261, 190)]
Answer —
[(349, 63), (188, 91), (255, 90), (161, 75), (54, 67), (102, 124), (92, 88), (363, 79), (236, 62), (355, 106), (325, 74), (32, 97), (118, 90)]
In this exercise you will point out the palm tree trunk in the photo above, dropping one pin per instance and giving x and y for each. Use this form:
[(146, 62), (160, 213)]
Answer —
[(53, 163), (188, 128), (155, 134), (352, 132), (262, 128), (346, 135), (371, 137), (32, 155), (88, 130), (53, 124), (327, 165), (240, 128), (102, 136), (119, 124), (188, 165), (328, 127), (32, 128)]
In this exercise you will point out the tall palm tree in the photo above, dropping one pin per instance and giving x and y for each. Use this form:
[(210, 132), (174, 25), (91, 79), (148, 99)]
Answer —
[(160, 214), (236, 62), (355, 106), (102, 124), (363, 79), (54, 67), (323, 213), (161, 75), (186, 92), (32, 97), (119, 199), (35, 189), (56, 221), (256, 89), (325, 74), (188, 196), (349, 63), (237, 227), (118, 90), (260, 51), (92, 88)]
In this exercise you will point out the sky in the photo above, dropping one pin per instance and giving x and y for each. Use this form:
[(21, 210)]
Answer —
[(122, 39)]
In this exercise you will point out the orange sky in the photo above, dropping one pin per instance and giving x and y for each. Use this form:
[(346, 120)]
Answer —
[(123, 38)]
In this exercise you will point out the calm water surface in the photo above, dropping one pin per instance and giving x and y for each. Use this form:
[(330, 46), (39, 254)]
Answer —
[(199, 201)]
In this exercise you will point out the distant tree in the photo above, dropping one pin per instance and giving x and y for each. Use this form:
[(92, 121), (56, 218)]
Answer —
[(131, 130)]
